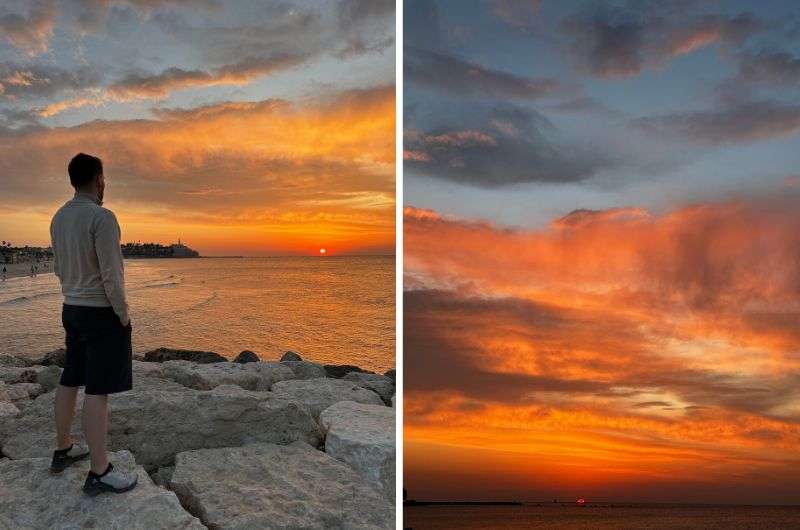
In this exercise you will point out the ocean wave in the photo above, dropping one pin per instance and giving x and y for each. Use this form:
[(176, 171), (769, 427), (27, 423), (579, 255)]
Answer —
[(200, 304), (154, 285), (27, 298)]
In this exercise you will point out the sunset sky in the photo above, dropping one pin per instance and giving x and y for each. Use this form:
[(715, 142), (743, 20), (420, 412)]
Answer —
[(255, 128), (602, 251)]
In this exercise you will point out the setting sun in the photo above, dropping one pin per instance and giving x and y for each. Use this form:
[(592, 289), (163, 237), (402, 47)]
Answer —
[(322, 251)]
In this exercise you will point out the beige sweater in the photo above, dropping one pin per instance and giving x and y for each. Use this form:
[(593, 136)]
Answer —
[(87, 255)]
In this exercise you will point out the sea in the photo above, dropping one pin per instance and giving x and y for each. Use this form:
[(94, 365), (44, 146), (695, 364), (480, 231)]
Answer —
[(331, 310), (603, 517)]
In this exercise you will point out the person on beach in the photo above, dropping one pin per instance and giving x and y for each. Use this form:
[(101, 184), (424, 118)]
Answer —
[(5, 272), (88, 263)]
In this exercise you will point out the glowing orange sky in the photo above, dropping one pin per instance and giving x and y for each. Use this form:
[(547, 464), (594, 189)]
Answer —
[(254, 178), (615, 354)]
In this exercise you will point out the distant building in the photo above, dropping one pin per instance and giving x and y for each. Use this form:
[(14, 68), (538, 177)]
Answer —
[(26, 254), (155, 250)]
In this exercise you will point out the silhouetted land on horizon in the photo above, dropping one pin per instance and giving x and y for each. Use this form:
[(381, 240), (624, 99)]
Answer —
[(461, 503)]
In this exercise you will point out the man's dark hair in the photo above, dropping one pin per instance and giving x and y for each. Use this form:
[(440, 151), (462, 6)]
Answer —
[(83, 168)]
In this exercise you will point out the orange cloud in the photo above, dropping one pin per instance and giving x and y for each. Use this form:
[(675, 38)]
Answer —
[(621, 354), (272, 175)]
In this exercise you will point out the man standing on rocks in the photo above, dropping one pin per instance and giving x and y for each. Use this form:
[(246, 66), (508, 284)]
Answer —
[(88, 262)]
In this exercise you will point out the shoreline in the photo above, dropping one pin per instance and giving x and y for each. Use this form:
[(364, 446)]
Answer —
[(21, 270)]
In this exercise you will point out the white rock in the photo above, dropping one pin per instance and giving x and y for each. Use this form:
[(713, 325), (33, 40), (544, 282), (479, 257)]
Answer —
[(380, 384), (305, 369), (13, 360), (16, 374), (363, 437), (23, 391), (8, 410), (49, 377), (145, 369), (156, 424), (319, 394), (291, 356), (267, 486), (250, 376), (31, 498)]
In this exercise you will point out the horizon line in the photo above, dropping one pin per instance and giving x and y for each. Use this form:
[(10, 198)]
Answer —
[(587, 502)]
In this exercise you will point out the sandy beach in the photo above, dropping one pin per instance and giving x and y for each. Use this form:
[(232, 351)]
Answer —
[(15, 270)]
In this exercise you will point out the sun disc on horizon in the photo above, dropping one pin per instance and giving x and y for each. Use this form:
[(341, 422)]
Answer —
[(322, 251)]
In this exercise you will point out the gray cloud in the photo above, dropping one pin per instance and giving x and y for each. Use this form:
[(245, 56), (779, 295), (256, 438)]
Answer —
[(156, 86), (421, 27), (366, 26), (769, 67), (516, 13), (456, 76), (32, 33), (502, 146), (91, 14), (731, 122), (352, 13), (624, 42), (31, 81), (583, 104)]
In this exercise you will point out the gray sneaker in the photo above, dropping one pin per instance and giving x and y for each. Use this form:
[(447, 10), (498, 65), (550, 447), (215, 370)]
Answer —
[(111, 481), (64, 458)]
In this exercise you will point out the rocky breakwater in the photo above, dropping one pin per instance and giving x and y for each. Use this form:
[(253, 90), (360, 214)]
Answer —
[(244, 444)]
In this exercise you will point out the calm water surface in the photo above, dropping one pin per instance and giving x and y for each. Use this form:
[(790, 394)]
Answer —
[(330, 310), (629, 517)]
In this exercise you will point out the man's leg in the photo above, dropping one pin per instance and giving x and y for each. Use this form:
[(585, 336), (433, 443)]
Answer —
[(95, 427), (65, 412)]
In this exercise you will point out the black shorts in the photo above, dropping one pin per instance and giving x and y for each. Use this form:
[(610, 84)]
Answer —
[(99, 352)]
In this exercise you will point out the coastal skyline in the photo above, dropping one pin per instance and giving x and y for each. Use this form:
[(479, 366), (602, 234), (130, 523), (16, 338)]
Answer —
[(602, 284), (243, 128)]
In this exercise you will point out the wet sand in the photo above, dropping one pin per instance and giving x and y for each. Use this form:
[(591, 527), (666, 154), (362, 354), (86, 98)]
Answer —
[(15, 270)]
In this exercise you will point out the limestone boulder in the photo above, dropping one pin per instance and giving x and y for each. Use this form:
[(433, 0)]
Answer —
[(31, 498), (305, 369), (250, 376), (54, 358), (22, 391), (270, 373), (145, 369), (338, 371), (156, 424), (291, 356), (319, 394), (246, 356), (13, 360), (380, 384), (363, 437), (19, 374), (267, 486), (7, 410), (49, 377), (161, 355)]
